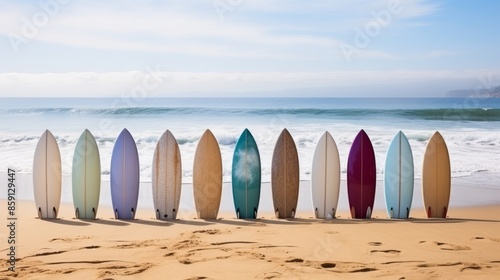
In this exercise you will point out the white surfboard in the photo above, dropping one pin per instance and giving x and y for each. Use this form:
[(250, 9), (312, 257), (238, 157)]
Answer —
[(167, 177), (47, 176), (325, 177)]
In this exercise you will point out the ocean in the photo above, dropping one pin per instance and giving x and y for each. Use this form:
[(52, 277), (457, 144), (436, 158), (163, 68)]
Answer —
[(470, 126)]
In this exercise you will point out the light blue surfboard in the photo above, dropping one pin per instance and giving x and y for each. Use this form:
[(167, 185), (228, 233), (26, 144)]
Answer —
[(399, 178)]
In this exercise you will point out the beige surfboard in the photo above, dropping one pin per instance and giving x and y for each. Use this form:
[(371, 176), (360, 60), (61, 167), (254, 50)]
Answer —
[(207, 177), (436, 177), (285, 176), (167, 177)]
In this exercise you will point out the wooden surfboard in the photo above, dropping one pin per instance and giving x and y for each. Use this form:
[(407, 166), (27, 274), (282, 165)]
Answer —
[(167, 177), (124, 177), (285, 176), (246, 176), (325, 177), (207, 177), (399, 178), (436, 177), (47, 176), (86, 177), (361, 177)]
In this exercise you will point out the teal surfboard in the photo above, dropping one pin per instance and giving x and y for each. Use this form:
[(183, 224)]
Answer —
[(86, 177), (399, 178), (246, 177)]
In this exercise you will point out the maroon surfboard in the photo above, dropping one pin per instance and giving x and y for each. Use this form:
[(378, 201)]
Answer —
[(361, 177)]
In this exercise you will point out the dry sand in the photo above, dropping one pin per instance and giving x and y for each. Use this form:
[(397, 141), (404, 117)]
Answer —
[(465, 246)]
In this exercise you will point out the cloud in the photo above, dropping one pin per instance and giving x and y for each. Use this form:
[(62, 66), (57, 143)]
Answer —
[(258, 29), (442, 53), (157, 83)]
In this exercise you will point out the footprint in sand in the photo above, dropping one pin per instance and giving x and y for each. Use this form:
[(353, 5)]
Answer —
[(446, 246), (464, 266), (209, 231), (375, 243), (385, 251), (68, 240), (485, 238)]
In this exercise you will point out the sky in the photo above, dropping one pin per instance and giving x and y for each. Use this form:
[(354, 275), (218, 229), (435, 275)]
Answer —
[(324, 48)]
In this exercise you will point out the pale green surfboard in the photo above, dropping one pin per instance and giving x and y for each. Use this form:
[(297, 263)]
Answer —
[(86, 177)]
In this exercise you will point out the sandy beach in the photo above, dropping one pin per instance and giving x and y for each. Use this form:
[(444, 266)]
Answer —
[(464, 246)]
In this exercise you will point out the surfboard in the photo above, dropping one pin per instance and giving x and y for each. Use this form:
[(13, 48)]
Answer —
[(361, 177), (399, 177), (207, 177), (86, 177), (124, 176), (167, 177), (47, 176), (325, 177), (436, 177), (285, 176), (246, 176)]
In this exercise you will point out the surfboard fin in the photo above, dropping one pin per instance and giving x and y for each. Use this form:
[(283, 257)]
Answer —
[(255, 213), (331, 215), (391, 213), (133, 212), (158, 214), (55, 212), (407, 212), (316, 212), (173, 214), (238, 213), (429, 212), (353, 212), (95, 213), (293, 213), (445, 211), (39, 212), (116, 214), (369, 212), (77, 213), (277, 213)]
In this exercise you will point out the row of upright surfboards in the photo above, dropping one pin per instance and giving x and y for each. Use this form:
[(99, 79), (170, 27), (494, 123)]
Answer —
[(246, 177)]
